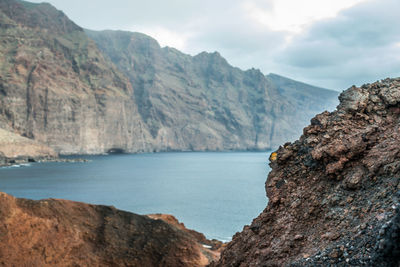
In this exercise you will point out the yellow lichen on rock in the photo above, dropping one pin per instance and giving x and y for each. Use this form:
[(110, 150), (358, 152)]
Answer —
[(273, 156)]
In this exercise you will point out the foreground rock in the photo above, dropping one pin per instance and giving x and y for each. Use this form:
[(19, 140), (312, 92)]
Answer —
[(333, 193), (214, 247), (66, 233), (17, 149)]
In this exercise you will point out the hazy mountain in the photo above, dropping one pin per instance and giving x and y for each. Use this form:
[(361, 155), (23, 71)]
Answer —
[(57, 87), (202, 102), (309, 99)]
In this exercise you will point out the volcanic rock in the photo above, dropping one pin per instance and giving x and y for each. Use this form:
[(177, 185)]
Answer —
[(55, 232), (337, 187)]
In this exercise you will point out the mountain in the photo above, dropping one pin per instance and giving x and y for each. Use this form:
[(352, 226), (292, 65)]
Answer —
[(334, 194), (57, 88), (310, 99), (124, 92), (203, 103), (54, 232)]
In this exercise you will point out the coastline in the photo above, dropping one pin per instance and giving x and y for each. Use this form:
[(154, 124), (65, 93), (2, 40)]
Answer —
[(26, 161)]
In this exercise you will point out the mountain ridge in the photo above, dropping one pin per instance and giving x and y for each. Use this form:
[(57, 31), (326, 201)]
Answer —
[(122, 90), (210, 77)]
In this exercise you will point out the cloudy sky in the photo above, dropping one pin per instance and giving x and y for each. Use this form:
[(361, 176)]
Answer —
[(329, 43)]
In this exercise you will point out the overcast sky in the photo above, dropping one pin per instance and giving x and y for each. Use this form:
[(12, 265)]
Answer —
[(329, 43)]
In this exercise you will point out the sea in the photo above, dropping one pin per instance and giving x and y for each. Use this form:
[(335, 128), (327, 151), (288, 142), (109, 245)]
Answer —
[(215, 193)]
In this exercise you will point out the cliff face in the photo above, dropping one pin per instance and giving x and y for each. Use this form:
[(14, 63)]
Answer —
[(332, 193), (57, 88), (14, 148), (65, 233), (203, 103)]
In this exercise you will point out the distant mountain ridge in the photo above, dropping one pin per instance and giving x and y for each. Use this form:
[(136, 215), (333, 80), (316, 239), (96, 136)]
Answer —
[(231, 108), (124, 91)]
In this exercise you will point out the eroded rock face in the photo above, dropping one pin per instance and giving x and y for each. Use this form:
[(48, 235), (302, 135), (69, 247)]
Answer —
[(57, 88), (332, 193), (203, 103), (17, 148), (66, 233)]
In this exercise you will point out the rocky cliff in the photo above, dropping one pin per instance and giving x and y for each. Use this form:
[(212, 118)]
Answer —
[(334, 193), (57, 88), (65, 233), (203, 103)]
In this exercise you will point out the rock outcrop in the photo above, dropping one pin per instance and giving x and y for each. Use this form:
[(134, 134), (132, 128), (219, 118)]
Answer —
[(65, 233), (15, 148), (333, 194)]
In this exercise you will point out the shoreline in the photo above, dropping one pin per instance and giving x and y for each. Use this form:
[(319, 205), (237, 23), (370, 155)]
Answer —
[(22, 162)]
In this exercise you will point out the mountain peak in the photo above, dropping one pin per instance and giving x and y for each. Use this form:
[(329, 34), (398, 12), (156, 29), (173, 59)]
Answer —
[(41, 15)]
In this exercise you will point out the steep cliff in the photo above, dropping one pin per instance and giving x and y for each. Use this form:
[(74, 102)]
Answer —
[(203, 103), (332, 193), (65, 233), (57, 88)]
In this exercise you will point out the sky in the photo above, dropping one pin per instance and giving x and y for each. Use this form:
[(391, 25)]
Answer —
[(329, 43)]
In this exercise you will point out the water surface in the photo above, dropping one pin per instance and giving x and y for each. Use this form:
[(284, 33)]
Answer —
[(215, 193)]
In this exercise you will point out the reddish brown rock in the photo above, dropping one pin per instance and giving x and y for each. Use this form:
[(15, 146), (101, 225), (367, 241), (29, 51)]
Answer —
[(337, 190), (65, 233), (211, 248)]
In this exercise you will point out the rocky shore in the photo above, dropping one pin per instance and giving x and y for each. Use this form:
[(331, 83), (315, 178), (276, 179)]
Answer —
[(16, 149), (334, 193)]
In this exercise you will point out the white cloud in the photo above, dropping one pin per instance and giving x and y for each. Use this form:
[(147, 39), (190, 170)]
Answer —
[(329, 43), (165, 37), (293, 15)]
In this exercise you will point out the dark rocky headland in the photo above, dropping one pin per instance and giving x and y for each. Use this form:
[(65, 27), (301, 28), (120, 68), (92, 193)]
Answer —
[(334, 194)]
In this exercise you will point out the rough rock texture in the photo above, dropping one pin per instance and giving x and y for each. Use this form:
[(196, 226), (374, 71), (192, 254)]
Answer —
[(17, 148), (332, 194), (65, 233), (215, 246), (57, 88), (203, 103)]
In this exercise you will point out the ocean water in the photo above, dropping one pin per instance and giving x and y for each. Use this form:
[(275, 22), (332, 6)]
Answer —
[(215, 193)]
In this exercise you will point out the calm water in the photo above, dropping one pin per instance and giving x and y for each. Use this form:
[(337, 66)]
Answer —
[(214, 193)]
